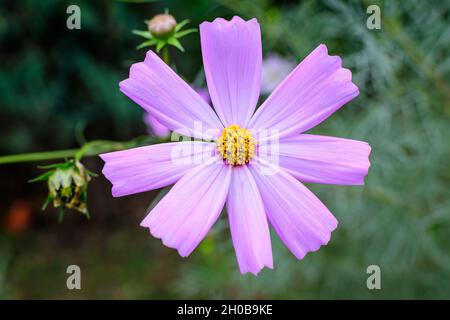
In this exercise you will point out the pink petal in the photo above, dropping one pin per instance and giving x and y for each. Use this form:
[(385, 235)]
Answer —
[(315, 89), (232, 58), (322, 159), (156, 166), (202, 92), (248, 223), (185, 215), (161, 92), (154, 127), (302, 222)]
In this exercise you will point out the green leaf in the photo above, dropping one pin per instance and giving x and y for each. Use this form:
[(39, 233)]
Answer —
[(145, 34), (181, 25), (174, 42), (184, 33)]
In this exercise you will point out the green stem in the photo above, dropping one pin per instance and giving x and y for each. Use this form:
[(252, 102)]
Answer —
[(38, 156), (91, 148), (166, 55)]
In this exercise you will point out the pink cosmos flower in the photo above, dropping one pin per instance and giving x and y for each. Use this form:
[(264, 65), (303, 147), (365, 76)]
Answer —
[(258, 188), (156, 128)]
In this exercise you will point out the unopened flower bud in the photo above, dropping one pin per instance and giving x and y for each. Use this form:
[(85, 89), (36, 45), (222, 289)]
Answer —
[(68, 186), (161, 25)]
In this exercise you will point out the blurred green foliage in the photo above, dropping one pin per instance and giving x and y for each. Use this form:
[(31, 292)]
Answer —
[(56, 85)]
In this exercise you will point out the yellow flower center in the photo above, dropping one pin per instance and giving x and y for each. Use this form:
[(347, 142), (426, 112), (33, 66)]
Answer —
[(236, 145)]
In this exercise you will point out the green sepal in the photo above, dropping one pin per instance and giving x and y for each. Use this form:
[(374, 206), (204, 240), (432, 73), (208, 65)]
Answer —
[(42, 177), (46, 203), (174, 42), (183, 33), (144, 34), (181, 25), (148, 43)]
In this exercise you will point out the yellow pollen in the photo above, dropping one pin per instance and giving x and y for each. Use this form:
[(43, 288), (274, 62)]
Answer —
[(236, 145)]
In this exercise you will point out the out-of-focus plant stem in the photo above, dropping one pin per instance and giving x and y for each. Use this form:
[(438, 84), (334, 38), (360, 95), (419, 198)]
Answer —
[(38, 156), (166, 55), (91, 148)]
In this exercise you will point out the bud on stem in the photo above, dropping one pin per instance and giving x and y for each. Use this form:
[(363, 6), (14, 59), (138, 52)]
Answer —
[(162, 25)]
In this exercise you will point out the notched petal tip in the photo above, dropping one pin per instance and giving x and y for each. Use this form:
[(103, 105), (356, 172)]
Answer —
[(239, 20), (322, 47), (232, 59), (106, 172), (255, 272), (137, 65), (150, 55), (122, 83), (233, 21), (369, 152), (139, 69), (182, 252), (369, 164), (321, 244), (344, 74)]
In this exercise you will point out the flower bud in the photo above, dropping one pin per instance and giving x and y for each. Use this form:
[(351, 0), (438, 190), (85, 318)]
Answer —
[(68, 186), (161, 25)]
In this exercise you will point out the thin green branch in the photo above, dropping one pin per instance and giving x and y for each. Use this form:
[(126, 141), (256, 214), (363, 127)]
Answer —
[(91, 148), (166, 55), (38, 156)]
